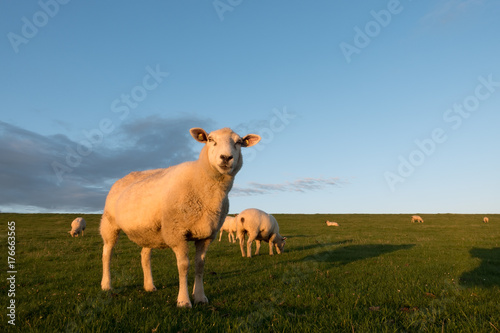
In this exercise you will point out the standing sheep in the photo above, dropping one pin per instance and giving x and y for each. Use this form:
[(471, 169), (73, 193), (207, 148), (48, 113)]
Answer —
[(77, 226), (169, 207), (416, 218), (259, 226), (229, 226), (486, 220)]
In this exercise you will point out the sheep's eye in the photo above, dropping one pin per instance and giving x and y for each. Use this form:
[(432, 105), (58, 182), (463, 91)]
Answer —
[(239, 142), (212, 140)]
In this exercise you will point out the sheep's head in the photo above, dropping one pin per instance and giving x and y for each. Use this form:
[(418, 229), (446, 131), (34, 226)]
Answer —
[(224, 148), (279, 242)]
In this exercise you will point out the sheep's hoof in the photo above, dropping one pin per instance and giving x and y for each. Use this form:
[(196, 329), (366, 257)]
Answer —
[(203, 300), (150, 289), (184, 304), (106, 286)]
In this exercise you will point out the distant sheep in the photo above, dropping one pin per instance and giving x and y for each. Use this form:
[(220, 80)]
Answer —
[(77, 226), (259, 226), (170, 207), (332, 224), (416, 218), (486, 220), (229, 226)]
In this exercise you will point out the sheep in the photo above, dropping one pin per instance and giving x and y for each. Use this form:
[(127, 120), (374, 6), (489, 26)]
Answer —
[(77, 226), (229, 226), (170, 207), (259, 226), (332, 224), (417, 219), (486, 220)]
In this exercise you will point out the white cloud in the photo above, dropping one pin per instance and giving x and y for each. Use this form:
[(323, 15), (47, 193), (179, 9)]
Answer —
[(299, 185)]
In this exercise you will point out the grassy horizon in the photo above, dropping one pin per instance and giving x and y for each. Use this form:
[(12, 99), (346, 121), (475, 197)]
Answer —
[(375, 272)]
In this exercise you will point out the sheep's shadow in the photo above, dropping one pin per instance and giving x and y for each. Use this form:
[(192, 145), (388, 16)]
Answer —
[(487, 274), (351, 253), (297, 236), (317, 245)]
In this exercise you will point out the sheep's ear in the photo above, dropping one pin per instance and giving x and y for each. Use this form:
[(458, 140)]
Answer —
[(250, 140), (199, 134)]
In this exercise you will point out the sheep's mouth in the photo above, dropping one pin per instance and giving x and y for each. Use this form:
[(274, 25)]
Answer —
[(225, 167)]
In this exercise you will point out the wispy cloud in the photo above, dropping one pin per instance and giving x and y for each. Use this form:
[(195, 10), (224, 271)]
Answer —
[(446, 11), (298, 185), (28, 180)]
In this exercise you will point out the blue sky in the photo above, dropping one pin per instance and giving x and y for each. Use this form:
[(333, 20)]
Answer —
[(366, 107)]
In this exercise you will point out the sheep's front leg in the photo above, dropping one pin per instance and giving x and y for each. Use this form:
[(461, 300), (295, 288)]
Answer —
[(146, 268), (198, 290), (271, 244), (110, 237), (182, 254), (107, 251)]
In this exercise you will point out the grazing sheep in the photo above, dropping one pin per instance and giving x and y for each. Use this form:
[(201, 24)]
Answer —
[(77, 227), (169, 207), (486, 220), (259, 226), (229, 226), (332, 224), (416, 218)]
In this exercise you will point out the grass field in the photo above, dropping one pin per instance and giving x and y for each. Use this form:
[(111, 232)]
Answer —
[(374, 273)]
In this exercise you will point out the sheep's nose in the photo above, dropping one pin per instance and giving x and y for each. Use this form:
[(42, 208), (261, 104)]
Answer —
[(226, 158)]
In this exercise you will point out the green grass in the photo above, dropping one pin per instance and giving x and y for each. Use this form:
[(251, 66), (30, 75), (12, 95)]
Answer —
[(374, 273)]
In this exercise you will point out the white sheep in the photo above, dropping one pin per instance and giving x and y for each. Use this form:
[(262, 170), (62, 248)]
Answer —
[(169, 207), (259, 226), (77, 226), (486, 220), (332, 224), (416, 218), (229, 226)]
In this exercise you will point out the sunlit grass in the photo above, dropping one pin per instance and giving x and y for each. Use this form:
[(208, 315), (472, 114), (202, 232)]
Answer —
[(372, 273)]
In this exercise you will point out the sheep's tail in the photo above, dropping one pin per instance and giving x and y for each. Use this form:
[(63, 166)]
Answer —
[(242, 229)]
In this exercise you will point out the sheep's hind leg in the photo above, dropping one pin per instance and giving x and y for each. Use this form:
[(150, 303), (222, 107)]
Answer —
[(146, 268), (182, 254), (257, 247), (251, 238), (198, 290), (241, 236), (110, 237)]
